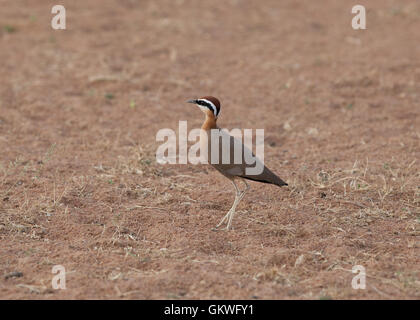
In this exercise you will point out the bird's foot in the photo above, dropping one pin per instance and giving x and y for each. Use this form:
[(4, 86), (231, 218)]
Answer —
[(224, 219), (216, 228)]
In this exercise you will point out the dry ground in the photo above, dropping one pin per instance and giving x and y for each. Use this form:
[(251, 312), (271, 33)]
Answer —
[(80, 186)]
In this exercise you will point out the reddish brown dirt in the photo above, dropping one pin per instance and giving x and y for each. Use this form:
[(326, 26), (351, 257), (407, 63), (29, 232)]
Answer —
[(80, 186)]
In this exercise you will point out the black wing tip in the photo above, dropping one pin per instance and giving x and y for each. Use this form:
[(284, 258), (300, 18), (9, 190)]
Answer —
[(280, 183)]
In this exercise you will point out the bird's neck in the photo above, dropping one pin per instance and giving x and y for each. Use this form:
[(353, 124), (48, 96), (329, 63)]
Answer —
[(209, 123)]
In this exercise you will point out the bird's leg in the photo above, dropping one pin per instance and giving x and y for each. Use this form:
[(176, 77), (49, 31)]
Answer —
[(237, 200), (237, 194)]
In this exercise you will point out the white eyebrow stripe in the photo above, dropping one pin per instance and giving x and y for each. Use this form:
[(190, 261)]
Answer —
[(211, 104)]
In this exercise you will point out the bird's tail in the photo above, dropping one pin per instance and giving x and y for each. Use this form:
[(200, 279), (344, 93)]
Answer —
[(267, 176)]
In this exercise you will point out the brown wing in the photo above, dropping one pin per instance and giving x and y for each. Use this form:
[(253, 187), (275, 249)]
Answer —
[(231, 169)]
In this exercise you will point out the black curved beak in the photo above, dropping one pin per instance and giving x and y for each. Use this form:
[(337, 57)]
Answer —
[(192, 101)]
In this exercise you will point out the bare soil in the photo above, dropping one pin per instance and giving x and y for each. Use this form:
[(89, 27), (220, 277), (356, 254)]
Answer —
[(80, 186)]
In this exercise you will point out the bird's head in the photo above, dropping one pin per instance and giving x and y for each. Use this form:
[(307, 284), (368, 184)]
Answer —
[(209, 105)]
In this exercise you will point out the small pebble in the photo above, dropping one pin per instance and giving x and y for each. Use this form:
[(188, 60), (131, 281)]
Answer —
[(15, 274)]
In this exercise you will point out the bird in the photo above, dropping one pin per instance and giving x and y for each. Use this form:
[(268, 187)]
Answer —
[(235, 172)]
